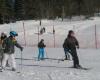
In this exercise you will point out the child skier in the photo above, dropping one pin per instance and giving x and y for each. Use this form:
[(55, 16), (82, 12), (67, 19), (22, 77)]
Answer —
[(67, 51), (71, 44), (9, 50), (41, 47)]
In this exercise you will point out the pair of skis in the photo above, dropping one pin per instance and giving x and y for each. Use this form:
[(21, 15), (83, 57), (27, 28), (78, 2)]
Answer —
[(36, 59)]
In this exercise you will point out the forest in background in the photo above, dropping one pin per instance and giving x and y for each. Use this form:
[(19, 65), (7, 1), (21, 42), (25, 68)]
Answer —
[(12, 10)]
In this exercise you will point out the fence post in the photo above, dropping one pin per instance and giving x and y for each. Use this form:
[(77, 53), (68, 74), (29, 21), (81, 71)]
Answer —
[(38, 34), (96, 37), (54, 35), (24, 32)]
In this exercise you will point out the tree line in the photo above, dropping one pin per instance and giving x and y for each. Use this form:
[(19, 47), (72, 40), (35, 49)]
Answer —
[(11, 10)]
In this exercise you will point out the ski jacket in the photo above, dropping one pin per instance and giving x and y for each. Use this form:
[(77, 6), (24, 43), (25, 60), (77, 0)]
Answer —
[(41, 45), (3, 37), (71, 43), (9, 45)]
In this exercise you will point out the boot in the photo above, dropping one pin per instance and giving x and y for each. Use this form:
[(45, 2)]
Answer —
[(13, 69)]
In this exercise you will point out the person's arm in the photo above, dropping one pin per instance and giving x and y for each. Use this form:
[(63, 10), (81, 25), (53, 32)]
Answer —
[(18, 46), (4, 44), (44, 45), (77, 43), (64, 44)]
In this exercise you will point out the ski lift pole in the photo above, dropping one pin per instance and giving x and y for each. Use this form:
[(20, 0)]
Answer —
[(39, 31), (38, 34), (24, 32), (95, 36), (54, 35)]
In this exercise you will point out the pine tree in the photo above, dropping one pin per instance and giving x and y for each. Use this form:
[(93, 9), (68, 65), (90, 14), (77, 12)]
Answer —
[(19, 9)]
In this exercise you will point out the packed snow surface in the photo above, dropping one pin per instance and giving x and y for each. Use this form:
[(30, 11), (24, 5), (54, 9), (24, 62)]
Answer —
[(52, 69)]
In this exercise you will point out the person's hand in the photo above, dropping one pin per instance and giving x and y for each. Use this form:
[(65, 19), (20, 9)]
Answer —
[(21, 48), (77, 47)]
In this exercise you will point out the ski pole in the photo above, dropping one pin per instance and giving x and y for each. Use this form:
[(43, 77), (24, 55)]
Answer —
[(46, 53), (21, 56), (21, 59)]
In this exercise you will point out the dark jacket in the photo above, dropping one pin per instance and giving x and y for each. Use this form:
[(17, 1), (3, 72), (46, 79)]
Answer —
[(41, 45), (3, 37), (71, 43), (9, 45)]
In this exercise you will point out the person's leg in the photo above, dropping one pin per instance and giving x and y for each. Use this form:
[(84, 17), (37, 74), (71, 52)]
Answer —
[(43, 53), (13, 61), (7, 64), (39, 55), (67, 56), (4, 61), (75, 57)]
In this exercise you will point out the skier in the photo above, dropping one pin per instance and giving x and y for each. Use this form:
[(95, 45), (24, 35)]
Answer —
[(3, 37), (71, 44), (41, 47), (9, 49), (44, 30), (41, 31), (66, 50), (1, 51)]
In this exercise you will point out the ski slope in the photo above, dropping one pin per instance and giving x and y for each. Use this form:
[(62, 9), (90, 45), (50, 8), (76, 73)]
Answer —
[(84, 31), (52, 70)]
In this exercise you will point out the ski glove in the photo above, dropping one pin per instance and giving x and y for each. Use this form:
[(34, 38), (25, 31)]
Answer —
[(77, 47), (21, 48)]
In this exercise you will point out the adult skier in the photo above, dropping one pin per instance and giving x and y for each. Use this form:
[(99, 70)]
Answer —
[(71, 43), (1, 51), (9, 49), (41, 47)]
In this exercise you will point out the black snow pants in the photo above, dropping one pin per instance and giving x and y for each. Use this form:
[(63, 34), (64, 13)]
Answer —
[(75, 57)]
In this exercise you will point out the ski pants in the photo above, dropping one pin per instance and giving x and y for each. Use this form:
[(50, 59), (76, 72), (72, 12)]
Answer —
[(67, 56), (6, 56), (41, 54), (75, 57)]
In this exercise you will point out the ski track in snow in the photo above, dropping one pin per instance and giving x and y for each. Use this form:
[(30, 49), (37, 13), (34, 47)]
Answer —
[(52, 70)]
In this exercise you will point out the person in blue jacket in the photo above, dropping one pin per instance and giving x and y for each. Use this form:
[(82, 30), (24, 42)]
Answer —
[(41, 47)]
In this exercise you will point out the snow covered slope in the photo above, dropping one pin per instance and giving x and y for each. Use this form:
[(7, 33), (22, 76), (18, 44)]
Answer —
[(84, 31), (52, 70)]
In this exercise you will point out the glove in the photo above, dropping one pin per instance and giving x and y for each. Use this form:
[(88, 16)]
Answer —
[(77, 47), (21, 48)]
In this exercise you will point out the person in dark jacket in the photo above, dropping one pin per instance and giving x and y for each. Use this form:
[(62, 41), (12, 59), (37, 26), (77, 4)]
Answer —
[(41, 47), (67, 51), (3, 37), (9, 49), (71, 43)]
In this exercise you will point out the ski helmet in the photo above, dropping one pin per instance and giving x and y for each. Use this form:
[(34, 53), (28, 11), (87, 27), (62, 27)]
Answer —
[(13, 33)]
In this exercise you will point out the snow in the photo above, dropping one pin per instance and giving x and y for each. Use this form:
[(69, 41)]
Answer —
[(52, 69), (84, 31)]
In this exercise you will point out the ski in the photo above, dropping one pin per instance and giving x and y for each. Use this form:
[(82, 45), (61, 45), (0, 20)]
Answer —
[(43, 59), (81, 68)]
